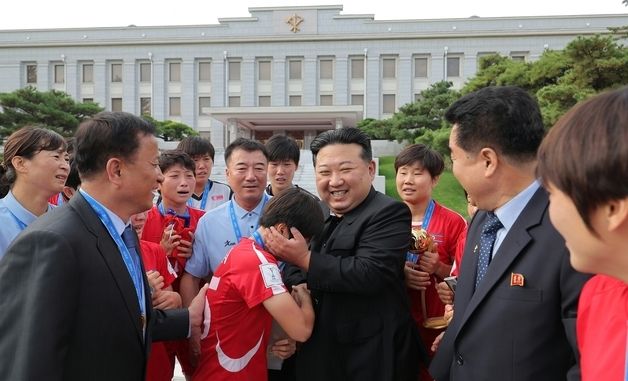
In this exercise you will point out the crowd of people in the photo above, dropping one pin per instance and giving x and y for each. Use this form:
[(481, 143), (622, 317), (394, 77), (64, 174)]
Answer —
[(118, 260)]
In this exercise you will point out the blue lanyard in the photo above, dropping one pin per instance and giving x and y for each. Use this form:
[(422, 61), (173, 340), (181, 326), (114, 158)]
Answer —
[(133, 267), (428, 215), (60, 199), (234, 220), (258, 238), (204, 197)]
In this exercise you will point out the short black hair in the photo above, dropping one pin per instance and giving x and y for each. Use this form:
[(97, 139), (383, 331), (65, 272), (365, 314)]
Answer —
[(197, 146), (428, 158), (168, 159), (106, 135), (345, 135), (295, 208), (282, 148), (248, 145), (504, 118), (74, 180)]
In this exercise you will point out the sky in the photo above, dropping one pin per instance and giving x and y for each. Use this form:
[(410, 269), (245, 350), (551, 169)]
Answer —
[(42, 14)]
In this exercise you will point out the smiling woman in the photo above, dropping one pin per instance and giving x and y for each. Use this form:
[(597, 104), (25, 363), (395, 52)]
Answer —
[(34, 168)]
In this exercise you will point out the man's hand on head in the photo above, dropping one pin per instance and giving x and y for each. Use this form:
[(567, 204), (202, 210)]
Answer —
[(294, 250)]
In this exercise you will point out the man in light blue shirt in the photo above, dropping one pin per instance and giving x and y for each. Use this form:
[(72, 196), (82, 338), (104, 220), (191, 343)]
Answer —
[(221, 228)]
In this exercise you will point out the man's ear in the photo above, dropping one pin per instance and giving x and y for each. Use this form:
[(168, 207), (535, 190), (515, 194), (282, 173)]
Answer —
[(616, 213), (113, 169), (490, 159)]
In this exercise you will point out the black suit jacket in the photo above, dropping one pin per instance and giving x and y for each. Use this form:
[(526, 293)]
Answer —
[(363, 328), (69, 307), (507, 332)]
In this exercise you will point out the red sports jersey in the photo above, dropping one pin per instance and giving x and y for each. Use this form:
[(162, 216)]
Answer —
[(160, 365), (235, 346), (447, 227), (155, 225), (602, 329)]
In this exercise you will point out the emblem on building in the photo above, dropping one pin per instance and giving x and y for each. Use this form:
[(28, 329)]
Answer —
[(294, 21)]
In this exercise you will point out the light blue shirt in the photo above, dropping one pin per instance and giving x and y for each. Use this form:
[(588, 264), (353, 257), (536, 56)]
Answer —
[(510, 211), (13, 219), (117, 222), (214, 236)]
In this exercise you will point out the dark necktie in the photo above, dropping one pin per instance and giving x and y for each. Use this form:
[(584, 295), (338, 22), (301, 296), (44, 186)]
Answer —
[(128, 236), (489, 232)]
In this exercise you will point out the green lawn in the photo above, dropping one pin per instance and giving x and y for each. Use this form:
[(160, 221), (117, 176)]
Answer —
[(448, 192)]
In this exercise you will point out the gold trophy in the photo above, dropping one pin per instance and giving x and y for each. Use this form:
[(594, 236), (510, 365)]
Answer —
[(421, 242)]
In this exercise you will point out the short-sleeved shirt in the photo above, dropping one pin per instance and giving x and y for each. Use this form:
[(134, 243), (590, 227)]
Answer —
[(215, 236), (240, 325), (602, 329), (154, 229), (154, 258), (13, 219), (217, 195)]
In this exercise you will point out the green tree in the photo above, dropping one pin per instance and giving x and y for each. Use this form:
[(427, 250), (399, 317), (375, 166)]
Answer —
[(170, 130), (436, 139), (53, 109), (414, 119), (376, 128)]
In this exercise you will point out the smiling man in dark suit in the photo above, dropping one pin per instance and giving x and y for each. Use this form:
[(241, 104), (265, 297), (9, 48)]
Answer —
[(74, 297), (363, 328), (516, 298)]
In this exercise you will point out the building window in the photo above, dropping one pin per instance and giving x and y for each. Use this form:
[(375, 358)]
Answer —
[(88, 73), (31, 74), (145, 69), (204, 72), (357, 99), (263, 101), (326, 69), (203, 104), (294, 100), (174, 72), (116, 72), (388, 102), (234, 101), (234, 70), (295, 69), (521, 57), (418, 97), (175, 106), (116, 104), (145, 105), (420, 67), (88, 100), (453, 67), (264, 69), (357, 68), (59, 73), (327, 100), (389, 68)]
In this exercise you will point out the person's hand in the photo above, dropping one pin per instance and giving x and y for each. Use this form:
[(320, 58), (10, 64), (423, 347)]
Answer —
[(429, 262), (293, 250), (444, 293), (166, 300), (283, 348), (184, 247), (300, 293), (155, 280), (196, 309), (415, 279), (169, 240), (437, 341), (449, 313)]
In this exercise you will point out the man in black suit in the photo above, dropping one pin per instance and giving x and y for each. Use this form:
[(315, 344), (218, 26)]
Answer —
[(516, 298), (363, 329), (74, 297)]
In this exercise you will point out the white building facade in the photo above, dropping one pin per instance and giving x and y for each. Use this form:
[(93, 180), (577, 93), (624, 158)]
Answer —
[(293, 70)]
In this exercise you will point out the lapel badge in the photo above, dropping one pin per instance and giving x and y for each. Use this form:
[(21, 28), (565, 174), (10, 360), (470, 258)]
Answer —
[(475, 249), (517, 280)]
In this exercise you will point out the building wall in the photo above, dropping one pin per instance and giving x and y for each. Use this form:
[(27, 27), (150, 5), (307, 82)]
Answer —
[(266, 35)]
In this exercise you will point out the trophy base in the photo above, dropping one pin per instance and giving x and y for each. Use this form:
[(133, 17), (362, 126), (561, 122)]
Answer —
[(435, 323)]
